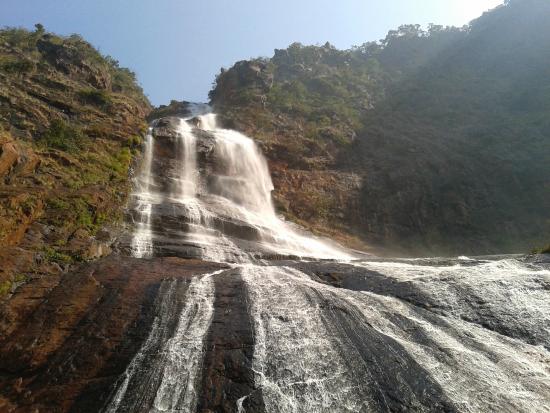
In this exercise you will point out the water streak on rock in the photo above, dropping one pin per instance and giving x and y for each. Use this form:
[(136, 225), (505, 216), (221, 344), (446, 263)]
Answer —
[(163, 376)]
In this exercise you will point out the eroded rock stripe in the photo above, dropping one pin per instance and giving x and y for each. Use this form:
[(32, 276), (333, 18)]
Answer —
[(228, 380)]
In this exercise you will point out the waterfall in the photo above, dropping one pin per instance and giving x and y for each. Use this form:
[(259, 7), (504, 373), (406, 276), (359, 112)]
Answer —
[(245, 186), (244, 177), (324, 349), (337, 335), (187, 182), (228, 210), (142, 241), (164, 372)]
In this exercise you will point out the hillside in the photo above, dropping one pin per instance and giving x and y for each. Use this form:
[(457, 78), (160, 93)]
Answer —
[(428, 142), (70, 122)]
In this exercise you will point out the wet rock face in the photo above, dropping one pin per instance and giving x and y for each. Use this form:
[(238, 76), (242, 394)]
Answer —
[(131, 335), (83, 332), (179, 223), (166, 164), (167, 160)]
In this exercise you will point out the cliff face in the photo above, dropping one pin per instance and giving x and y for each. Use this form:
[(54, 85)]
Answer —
[(70, 122), (428, 142), (303, 147)]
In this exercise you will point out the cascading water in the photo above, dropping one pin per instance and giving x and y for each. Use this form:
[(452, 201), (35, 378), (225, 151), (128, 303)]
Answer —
[(170, 359), (187, 183), (338, 335), (373, 347), (231, 205), (244, 187), (244, 178), (142, 241)]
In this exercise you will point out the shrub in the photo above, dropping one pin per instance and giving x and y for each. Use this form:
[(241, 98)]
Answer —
[(15, 65), (5, 288), (51, 255), (58, 203), (21, 38), (63, 136), (133, 142), (84, 217), (121, 162), (96, 97)]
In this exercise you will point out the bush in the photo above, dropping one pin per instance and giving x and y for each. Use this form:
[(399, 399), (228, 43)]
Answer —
[(21, 38), (121, 161), (51, 255), (63, 136), (95, 97), (5, 288), (15, 65), (58, 203), (84, 217), (133, 142)]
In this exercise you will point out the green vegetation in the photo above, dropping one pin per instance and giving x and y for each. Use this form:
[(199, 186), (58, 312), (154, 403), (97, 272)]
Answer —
[(5, 288), (21, 38), (134, 142), (63, 136), (447, 127), (53, 256), (121, 161), (76, 212), (39, 45), (74, 118), (174, 108), (96, 97), (14, 65)]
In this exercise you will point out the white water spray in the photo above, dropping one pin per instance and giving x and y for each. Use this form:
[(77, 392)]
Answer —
[(142, 241), (170, 360), (472, 332), (244, 186), (187, 182), (237, 195)]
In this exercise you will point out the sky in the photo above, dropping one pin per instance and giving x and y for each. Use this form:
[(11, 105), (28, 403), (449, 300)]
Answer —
[(176, 47)]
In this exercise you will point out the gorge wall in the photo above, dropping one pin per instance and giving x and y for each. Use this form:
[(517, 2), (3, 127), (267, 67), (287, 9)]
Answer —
[(282, 322), (428, 142), (71, 121)]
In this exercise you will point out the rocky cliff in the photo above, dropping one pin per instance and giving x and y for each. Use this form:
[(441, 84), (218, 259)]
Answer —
[(170, 332), (427, 142), (71, 121)]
